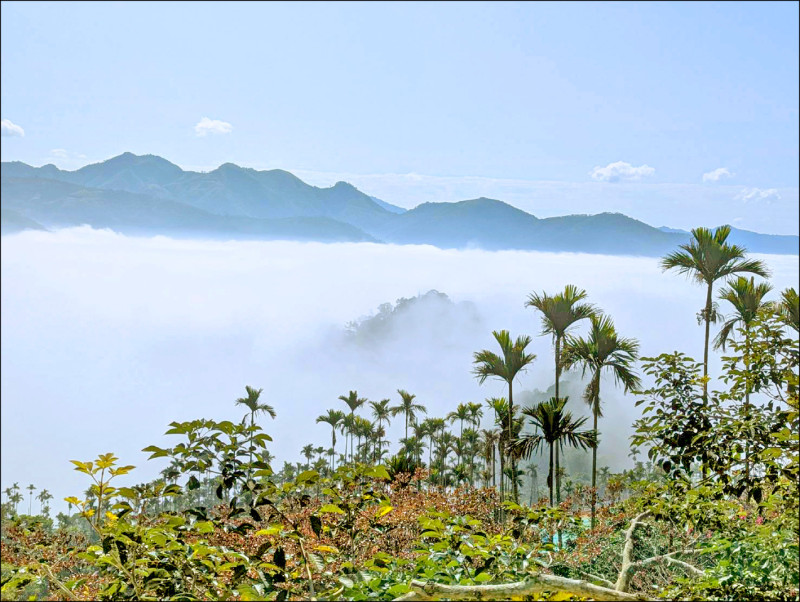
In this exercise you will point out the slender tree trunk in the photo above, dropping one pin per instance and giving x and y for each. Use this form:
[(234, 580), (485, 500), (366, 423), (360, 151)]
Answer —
[(550, 479), (514, 486), (705, 365), (558, 362), (494, 467), (558, 494), (594, 469), (747, 408)]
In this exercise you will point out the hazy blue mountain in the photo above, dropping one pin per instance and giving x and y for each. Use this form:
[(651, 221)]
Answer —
[(227, 190), (764, 243), (59, 204), (146, 193), (388, 206), (12, 221)]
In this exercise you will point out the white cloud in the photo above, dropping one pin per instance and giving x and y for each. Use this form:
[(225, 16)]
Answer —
[(621, 171), (717, 175), (212, 126), (59, 153), (11, 129), (766, 195)]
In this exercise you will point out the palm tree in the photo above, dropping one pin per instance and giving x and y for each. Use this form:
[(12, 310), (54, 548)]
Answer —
[(407, 407), (15, 499), (462, 413), (533, 471), (381, 413), (308, 453), (603, 349), (500, 407), (31, 489), (332, 418), (362, 429), (747, 299), (251, 402), (353, 402), (555, 429), (470, 439), (432, 427), (789, 309), (490, 438), (43, 496), (706, 258), (559, 314), (513, 360), (604, 473), (475, 413)]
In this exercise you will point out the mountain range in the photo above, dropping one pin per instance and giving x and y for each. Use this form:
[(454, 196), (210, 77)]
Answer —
[(147, 195)]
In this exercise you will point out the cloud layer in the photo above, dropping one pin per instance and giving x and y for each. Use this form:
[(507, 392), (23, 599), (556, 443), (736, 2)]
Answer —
[(766, 195), (717, 174), (7, 128), (148, 331), (212, 126), (621, 171)]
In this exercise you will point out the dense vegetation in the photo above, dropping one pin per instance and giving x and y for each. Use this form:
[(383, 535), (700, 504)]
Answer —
[(456, 513)]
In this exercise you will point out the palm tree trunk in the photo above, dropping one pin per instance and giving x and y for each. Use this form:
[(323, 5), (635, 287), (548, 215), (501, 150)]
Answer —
[(550, 475), (594, 470), (333, 446), (558, 363), (705, 366), (494, 467), (747, 407), (514, 486)]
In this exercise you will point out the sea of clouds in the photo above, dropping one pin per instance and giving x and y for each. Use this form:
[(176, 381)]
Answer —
[(107, 338)]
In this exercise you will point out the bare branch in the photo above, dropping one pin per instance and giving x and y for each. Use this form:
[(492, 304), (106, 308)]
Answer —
[(669, 559), (625, 573), (534, 584)]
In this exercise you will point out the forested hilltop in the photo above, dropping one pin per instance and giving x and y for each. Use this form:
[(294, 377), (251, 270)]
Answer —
[(708, 510), (148, 195)]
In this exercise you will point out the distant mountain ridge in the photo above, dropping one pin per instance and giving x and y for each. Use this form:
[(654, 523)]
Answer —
[(146, 194)]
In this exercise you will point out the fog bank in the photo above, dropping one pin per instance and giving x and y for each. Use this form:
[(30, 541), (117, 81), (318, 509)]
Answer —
[(107, 338)]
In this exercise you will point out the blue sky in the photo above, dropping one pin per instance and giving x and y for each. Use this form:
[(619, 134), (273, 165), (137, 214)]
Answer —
[(555, 107)]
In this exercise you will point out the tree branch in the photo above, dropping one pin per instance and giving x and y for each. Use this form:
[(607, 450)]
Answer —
[(669, 559), (535, 583), (625, 573)]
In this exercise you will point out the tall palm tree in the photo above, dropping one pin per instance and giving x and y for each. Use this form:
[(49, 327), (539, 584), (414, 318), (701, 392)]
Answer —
[(500, 407), (560, 312), (513, 361), (43, 497), (602, 350), (308, 453), (604, 473), (432, 428), (469, 442), (490, 438), (555, 428), (381, 413), (789, 309), (251, 402), (407, 407), (333, 418), (363, 430), (747, 299), (706, 258), (461, 414), (353, 402), (31, 489), (475, 413)]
